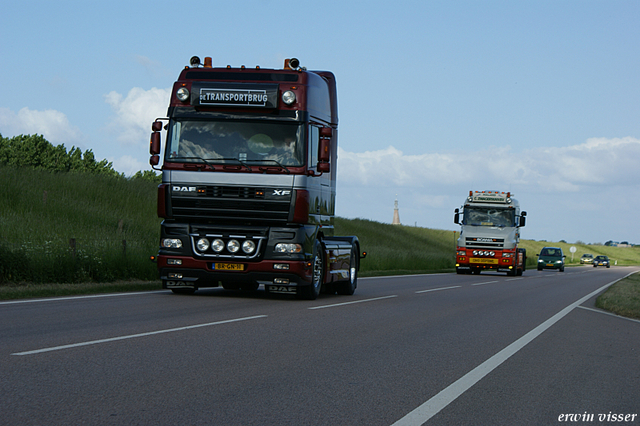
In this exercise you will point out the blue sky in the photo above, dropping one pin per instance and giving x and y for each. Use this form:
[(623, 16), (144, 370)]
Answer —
[(436, 98)]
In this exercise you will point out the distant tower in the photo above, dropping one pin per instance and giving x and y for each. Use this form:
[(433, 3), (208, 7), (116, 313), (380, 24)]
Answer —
[(396, 215)]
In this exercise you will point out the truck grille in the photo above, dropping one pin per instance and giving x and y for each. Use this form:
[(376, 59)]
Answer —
[(232, 204), (473, 242)]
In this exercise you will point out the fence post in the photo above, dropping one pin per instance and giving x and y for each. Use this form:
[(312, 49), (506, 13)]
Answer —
[(124, 248), (72, 246)]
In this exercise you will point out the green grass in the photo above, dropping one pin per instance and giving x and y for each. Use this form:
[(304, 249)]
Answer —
[(622, 298), (111, 219), (398, 249)]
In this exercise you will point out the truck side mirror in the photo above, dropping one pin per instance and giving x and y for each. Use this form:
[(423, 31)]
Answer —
[(326, 132), (154, 143), (324, 150), (156, 126), (154, 160), (456, 217), (324, 153), (523, 218)]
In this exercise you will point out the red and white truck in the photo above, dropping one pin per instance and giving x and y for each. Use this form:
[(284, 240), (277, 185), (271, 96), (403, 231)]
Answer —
[(490, 234), (249, 182)]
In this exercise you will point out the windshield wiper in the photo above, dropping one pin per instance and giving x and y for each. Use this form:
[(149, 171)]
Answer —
[(236, 160), (278, 164), (204, 160), (211, 161)]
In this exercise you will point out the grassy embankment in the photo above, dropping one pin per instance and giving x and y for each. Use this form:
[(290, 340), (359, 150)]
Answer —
[(622, 298), (62, 230), (115, 228)]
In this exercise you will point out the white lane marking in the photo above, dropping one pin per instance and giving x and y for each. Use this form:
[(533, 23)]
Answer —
[(351, 303), (436, 289), (488, 282), (514, 279), (404, 276), (134, 336), (433, 406), (55, 299), (608, 313)]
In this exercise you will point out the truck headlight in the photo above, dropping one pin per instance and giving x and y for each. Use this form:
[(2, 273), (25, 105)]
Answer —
[(288, 248), (173, 243)]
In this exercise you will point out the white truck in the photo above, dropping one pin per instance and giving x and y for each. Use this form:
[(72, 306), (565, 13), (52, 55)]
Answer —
[(490, 234)]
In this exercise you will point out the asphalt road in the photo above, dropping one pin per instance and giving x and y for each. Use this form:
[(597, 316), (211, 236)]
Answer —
[(437, 349)]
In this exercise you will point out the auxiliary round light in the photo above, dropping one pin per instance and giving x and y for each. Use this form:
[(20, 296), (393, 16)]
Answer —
[(202, 244), (492, 253), (288, 97), (217, 245), (182, 94), (248, 247), (233, 246), (475, 252)]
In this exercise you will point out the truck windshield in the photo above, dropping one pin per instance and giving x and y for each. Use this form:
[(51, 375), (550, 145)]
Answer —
[(236, 141), (479, 216)]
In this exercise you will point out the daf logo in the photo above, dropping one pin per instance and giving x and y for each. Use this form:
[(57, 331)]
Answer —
[(485, 240), (281, 192), (184, 189)]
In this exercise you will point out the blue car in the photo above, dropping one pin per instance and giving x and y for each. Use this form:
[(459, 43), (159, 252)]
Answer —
[(601, 261)]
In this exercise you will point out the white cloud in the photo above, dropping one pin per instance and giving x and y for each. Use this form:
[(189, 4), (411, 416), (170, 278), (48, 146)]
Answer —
[(135, 113), (568, 169), (51, 124)]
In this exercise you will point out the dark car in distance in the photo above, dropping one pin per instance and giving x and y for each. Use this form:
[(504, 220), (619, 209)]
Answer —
[(551, 258), (601, 261)]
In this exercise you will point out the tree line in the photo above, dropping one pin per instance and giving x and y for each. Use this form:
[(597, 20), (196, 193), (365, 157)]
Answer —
[(36, 152)]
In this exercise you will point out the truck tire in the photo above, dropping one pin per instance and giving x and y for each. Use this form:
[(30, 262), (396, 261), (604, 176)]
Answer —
[(312, 291), (348, 287)]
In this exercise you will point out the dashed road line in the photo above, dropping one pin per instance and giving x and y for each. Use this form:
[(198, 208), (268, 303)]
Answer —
[(351, 303), (438, 289), (134, 336)]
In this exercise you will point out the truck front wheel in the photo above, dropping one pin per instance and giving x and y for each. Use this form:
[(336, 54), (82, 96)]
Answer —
[(349, 287), (317, 278)]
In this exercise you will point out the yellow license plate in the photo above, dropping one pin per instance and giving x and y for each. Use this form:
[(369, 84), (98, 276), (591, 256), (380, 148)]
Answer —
[(228, 266), (483, 260)]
